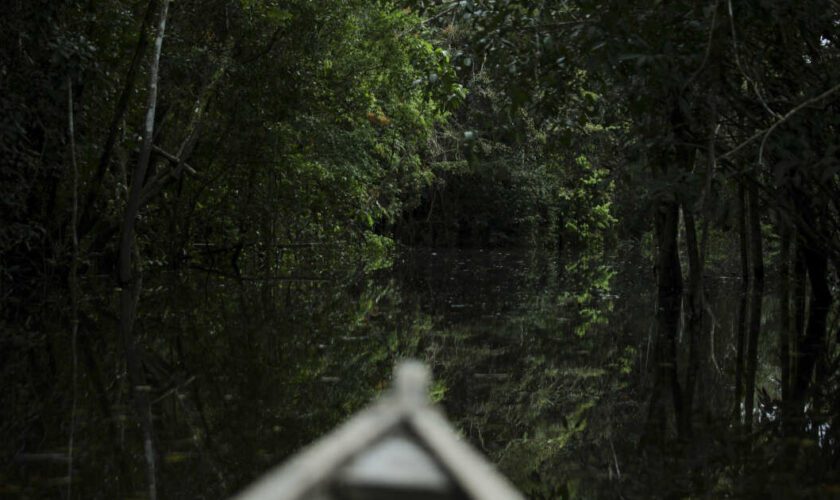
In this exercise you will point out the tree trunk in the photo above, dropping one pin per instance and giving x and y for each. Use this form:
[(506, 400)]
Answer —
[(798, 296), (784, 313), (86, 219), (742, 305), (130, 281), (669, 297), (812, 345), (694, 317), (756, 294)]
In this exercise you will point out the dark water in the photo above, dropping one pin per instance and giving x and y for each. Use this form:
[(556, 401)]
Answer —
[(540, 363)]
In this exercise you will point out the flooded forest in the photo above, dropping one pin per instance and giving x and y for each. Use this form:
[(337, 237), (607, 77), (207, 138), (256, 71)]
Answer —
[(610, 228)]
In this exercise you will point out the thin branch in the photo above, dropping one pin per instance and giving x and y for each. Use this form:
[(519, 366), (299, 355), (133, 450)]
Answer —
[(156, 183), (442, 13), (790, 114), (708, 48), (87, 220), (766, 132), (752, 82), (770, 198), (271, 43), (130, 281), (153, 187), (615, 460), (174, 159), (173, 390), (74, 285)]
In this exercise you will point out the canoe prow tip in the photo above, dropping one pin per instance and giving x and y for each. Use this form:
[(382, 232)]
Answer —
[(411, 382)]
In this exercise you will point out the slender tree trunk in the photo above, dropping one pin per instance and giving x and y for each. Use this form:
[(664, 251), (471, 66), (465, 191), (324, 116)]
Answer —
[(73, 282), (130, 281), (784, 315), (742, 304), (799, 299), (756, 294), (669, 297), (694, 317), (86, 219), (812, 345), (104, 403)]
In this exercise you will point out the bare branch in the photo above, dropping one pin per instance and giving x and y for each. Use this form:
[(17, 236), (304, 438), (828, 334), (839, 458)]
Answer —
[(766, 132), (708, 48), (74, 285), (129, 280), (442, 13), (174, 159), (790, 114), (86, 219), (155, 184), (736, 50)]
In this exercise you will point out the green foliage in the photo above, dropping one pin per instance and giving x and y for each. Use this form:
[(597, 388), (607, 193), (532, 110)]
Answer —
[(585, 202), (287, 135), (507, 176), (340, 165), (296, 141)]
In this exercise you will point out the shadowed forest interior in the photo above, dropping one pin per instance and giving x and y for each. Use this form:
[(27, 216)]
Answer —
[(611, 229)]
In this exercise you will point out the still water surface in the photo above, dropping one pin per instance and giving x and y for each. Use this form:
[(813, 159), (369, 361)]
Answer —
[(539, 363)]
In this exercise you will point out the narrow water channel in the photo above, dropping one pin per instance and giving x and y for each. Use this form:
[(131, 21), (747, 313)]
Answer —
[(540, 363)]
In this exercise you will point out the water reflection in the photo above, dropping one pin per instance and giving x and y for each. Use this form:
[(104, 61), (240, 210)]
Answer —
[(542, 364)]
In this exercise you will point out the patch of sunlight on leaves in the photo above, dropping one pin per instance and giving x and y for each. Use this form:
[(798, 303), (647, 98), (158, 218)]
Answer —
[(379, 252), (175, 457), (627, 360), (437, 391), (583, 372)]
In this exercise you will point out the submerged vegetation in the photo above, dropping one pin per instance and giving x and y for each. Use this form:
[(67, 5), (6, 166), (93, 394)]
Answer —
[(611, 228)]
